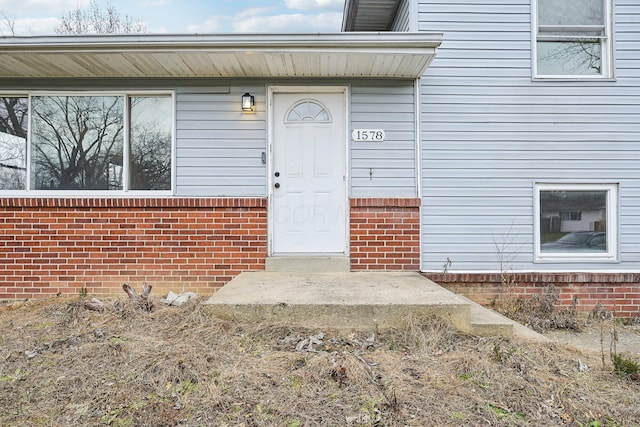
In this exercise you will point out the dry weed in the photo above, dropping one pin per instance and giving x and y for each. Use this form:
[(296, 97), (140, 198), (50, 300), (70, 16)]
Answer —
[(64, 366), (540, 312)]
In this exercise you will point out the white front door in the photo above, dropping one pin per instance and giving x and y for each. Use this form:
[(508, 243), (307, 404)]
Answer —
[(308, 211)]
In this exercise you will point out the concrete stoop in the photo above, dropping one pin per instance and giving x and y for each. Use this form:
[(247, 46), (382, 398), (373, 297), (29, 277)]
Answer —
[(352, 301)]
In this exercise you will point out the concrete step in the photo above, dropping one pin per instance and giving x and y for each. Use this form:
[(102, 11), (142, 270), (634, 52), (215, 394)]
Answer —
[(350, 301), (486, 322), (308, 264)]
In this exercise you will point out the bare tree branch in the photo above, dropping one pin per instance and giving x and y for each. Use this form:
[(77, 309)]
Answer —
[(95, 19), (9, 23)]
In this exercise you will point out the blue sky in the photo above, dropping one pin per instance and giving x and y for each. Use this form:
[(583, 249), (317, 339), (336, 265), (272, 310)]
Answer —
[(39, 17)]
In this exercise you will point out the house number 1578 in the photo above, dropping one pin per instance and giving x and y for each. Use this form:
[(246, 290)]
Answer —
[(367, 135)]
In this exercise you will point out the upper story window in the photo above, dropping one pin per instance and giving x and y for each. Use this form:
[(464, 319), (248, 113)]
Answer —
[(573, 39), (86, 143)]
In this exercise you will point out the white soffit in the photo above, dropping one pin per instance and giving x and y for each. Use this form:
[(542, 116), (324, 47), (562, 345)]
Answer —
[(386, 55), (369, 15)]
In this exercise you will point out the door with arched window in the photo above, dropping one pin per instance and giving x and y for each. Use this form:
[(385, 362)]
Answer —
[(308, 194)]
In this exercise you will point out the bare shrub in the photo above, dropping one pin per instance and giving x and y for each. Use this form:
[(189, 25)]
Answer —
[(542, 312)]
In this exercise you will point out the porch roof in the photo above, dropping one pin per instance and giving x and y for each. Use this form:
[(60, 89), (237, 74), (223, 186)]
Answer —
[(375, 55)]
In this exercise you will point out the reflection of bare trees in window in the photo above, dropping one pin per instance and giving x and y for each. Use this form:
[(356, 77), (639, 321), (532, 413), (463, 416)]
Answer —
[(150, 158), (570, 36), (76, 141), (150, 145), (570, 57), (13, 134)]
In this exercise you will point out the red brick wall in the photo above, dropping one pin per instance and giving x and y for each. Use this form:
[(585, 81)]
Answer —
[(385, 234), (618, 292), (52, 245)]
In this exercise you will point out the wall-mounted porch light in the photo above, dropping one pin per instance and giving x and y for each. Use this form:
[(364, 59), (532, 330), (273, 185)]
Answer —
[(248, 103)]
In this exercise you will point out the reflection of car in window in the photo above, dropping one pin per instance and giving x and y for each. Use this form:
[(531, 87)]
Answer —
[(578, 241)]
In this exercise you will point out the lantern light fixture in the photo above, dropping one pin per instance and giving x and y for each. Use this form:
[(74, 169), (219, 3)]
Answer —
[(248, 103)]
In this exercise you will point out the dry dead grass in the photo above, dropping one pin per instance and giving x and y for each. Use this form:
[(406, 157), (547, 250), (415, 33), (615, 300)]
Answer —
[(61, 365)]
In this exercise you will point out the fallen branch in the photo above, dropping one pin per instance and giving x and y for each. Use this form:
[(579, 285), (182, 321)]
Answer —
[(142, 300), (95, 305)]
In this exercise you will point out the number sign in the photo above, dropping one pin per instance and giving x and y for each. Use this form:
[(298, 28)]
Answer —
[(367, 135)]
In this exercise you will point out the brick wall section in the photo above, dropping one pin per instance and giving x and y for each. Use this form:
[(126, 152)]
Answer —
[(59, 245), (618, 292), (385, 234)]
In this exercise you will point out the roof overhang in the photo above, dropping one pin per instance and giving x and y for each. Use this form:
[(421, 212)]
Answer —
[(369, 15), (367, 55)]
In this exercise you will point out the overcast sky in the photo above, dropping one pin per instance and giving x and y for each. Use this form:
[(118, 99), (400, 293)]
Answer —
[(39, 17)]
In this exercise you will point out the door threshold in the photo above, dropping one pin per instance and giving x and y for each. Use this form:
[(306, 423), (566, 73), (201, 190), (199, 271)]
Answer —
[(325, 263)]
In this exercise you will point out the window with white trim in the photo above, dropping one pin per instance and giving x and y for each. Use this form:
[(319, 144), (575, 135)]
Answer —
[(576, 221), (105, 142), (572, 38)]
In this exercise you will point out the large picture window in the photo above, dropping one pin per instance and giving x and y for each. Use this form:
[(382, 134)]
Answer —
[(576, 221), (86, 143), (573, 38)]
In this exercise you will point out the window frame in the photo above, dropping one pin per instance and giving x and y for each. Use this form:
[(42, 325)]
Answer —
[(124, 192), (606, 44), (612, 190)]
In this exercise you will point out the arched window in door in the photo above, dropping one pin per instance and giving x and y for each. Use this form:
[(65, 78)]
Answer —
[(308, 110)]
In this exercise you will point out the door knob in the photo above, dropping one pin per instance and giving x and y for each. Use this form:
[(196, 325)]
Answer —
[(277, 185), (277, 174)]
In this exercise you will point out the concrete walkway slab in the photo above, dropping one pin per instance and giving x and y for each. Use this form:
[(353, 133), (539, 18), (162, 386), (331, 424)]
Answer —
[(349, 301)]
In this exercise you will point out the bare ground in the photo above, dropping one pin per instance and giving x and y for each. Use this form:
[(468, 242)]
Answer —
[(63, 365)]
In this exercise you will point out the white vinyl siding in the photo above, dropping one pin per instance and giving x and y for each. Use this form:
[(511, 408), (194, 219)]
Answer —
[(384, 169), (219, 148), (489, 133)]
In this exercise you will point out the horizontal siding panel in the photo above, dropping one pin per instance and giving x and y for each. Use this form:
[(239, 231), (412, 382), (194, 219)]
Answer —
[(403, 187), (399, 157), (235, 143), (540, 174), (392, 177), (473, 203), (211, 189), (532, 118), (471, 98), (215, 162), (487, 251), (489, 212), (601, 153), (492, 90), (366, 108), (558, 127), (220, 123), (454, 38), (389, 117), (501, 233), (473, 71), (447, 222), (223, 181), (230, 171), (220, 153), (531, 136)]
